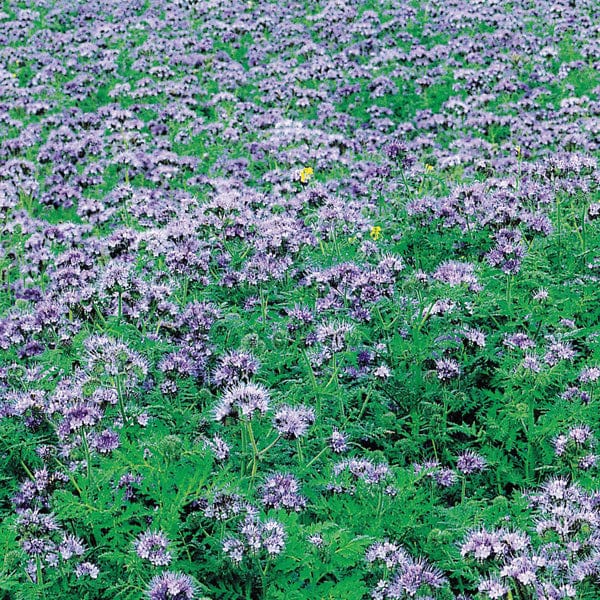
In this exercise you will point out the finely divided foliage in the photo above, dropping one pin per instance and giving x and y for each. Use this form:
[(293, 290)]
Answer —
[(299, 299)]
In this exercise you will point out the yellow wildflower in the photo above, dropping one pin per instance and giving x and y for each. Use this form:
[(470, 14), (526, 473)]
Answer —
[(429, 168), (306, 174), (375, 232), (518, 151)]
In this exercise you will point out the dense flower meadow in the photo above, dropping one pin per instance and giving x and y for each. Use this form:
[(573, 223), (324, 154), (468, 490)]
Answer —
[(299, 300)]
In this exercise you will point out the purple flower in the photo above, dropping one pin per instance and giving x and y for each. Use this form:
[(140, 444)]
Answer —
[(293, 422), (589, 375), (409, 577), (389, 553), (87, 569), (78, 416), (273, 538), (234, 549), (280, 490), (447, 369), (470, 462), (71, 546), (580, 434), (518, 340), (531, 363), (445, 477), (109, 357), (256, 536), (520, 568), (219, 447), (589, 461), (494, 588), (594, 211), (508, 252), (338, 441), (455, 273), (333, 334), (559, 351), (363, 469), (235, 367), (223, 506), (105, 442), (413, 575), (152, 546), (475, 337), (243, 401), (560, 443), (129, 482), (171, 586), (382, 372)]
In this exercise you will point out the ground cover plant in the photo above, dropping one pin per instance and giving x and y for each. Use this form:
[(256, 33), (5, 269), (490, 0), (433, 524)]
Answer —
[(299, 299)]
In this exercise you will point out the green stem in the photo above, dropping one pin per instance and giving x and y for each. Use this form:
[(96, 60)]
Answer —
[(244, 436), (313, 460), (121, 399), (267, 448), (255, 453), (379, 503), (403, 177), (263, 578), (509, 281), (98, 313), (38, 569), (120, 309), (364, 405), (86, 452), (299, 451)]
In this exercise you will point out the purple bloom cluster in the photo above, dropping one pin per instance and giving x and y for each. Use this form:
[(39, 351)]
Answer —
[(171, 586), (447, 369), (242, 401), (293, 422), (235, 367), (347, 473), (255, 537), (280, 490), (443, 476), (409, 576), (556, 559), (470, 462), (223, 506), (338, 442), (152, 546), (508, 252), (455, 273)]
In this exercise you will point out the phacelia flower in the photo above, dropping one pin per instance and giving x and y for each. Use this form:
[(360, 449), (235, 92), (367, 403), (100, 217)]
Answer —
[(470, 462), (293, 422), (171, 586), (152, 546)]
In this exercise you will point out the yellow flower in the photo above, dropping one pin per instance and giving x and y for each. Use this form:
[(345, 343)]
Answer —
[(375, 232), (429, 168), (518, 151), (306, 174)]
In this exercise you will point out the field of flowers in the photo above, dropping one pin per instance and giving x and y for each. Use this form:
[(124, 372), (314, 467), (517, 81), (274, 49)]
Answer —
[(299, 300)]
